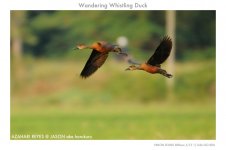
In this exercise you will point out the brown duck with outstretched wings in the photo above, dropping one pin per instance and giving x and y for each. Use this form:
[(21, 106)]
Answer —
[(153, 65), (98, 56)]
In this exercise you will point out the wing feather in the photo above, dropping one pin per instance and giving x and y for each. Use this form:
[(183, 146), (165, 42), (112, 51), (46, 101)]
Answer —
[(95, 61), (162, 52)]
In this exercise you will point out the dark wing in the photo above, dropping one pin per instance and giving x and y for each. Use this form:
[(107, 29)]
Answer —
[(95, 61), (162, 52)]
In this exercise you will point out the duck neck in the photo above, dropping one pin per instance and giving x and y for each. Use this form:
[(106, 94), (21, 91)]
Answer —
[(139, 67)]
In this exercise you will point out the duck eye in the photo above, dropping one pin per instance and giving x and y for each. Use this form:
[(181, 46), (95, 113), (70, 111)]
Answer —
[(99, 43)]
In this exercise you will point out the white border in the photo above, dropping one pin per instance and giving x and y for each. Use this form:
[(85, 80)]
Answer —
[(73, 4), (125, 144)]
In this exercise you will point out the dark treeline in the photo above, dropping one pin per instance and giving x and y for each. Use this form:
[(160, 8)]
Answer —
[(54, 33)]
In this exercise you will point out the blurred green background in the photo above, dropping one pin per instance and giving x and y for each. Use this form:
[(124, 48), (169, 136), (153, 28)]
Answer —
[(49, 97)]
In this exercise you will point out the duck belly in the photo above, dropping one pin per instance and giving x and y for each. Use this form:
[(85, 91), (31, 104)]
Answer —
[(150, 68)]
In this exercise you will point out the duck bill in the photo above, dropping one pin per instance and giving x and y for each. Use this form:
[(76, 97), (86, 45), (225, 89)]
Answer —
[(75, 48)]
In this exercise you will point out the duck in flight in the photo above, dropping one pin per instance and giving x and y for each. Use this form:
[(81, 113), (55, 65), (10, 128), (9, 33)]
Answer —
[(98, 56), (153, 65)]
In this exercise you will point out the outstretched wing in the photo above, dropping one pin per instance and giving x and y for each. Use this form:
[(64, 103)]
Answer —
[(95, 61), (162, 52)]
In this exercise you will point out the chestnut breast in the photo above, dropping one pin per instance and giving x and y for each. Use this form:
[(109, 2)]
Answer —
[(149, 68), (98, 47)]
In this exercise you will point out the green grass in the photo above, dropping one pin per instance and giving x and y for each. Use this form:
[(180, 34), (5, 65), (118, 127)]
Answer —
[(125, 122), (48, 97)]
